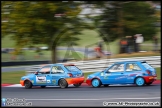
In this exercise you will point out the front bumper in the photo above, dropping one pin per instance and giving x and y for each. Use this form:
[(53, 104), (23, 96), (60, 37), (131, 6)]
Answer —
[(22, 82), (149, 79), (76, 80), (88, 81)]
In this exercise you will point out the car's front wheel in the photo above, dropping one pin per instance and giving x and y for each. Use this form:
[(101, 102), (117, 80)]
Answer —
[(96, 83), (77, 85), (139, 81), (28, 84), (63, 83)]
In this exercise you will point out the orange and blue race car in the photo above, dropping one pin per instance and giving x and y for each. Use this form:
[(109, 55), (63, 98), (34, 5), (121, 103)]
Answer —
[(126, 72), (54, 75)]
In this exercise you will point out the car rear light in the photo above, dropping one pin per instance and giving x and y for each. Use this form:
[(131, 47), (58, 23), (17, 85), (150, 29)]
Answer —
[(70, 75), (148, 72)]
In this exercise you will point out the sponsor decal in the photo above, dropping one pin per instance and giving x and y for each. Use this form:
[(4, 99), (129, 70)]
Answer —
[(121, 77), (40, 79), (105, 77), (48, 81), (54, 81), (32, 81), (132, 75), (102, 74)]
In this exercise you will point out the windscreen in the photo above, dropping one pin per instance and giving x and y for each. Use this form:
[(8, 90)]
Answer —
[(72, 68), (146, 65)]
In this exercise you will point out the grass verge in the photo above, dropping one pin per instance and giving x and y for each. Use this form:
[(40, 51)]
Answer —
[(14, 77), (31, 55)]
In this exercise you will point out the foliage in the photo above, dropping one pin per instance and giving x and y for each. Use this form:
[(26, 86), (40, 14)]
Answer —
[(127, 18), (34, 22), (41, 22)]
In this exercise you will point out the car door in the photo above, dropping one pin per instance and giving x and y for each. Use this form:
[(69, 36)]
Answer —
[(114, 75), (43, 77), (131, 70), (57, 72)]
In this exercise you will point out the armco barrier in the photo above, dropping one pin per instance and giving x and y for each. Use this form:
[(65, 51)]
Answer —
[(99, 65)]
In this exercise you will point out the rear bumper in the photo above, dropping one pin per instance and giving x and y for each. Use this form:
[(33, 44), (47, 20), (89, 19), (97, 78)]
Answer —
[(75, 80), (22, 82), (88, 81), (149, 79)]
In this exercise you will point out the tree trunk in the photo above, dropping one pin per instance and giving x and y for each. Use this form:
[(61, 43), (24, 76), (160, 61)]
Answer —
[(54, 55)]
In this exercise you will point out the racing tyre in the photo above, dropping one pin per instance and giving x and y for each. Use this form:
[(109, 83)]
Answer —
[(43, 86), (63, 83), (28, 84), (77, 85), (149, 83), (106, 85), (96, 83), (139, 81)]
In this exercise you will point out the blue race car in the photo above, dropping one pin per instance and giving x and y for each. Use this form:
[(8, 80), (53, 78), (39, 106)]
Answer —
[(54, 75), (127, 72)]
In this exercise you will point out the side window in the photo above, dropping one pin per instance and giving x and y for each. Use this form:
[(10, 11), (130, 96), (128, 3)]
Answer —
[(57, 69), (117, 68), (132, 67), (45, 70)]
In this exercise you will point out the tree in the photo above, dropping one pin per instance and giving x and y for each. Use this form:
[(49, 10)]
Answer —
[(129, 18), (41, 22)]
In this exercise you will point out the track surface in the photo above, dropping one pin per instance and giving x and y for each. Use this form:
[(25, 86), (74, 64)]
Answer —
[(84, 95)]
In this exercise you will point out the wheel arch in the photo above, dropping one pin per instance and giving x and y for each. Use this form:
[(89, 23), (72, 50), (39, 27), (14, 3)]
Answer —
[(61, 79), (27, 80)]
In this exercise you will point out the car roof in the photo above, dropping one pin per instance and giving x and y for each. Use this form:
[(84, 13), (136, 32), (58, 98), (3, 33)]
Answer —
[(59, 64), (131, 61)]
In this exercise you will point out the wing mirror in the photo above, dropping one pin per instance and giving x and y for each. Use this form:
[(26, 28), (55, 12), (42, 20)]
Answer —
[(107, 72)]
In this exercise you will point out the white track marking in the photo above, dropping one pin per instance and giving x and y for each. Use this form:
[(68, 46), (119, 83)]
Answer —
[(19, 85)]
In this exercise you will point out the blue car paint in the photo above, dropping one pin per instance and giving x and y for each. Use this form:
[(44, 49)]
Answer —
[(53, 78), (121, 77)]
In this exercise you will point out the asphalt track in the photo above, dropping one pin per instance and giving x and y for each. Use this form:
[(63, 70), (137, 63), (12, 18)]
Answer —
[(84, 95)]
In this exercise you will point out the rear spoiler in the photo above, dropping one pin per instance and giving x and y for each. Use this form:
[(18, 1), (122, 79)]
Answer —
[(69, 65), (143, 62)]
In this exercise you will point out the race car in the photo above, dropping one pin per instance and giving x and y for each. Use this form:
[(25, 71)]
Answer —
[(127, 72), (54, 75)]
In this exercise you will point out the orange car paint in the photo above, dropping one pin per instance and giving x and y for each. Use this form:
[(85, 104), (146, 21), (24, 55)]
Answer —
[(22, 82), (75, 80)]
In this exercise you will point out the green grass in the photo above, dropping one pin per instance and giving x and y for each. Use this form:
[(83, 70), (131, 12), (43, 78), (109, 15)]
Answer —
[(14, 77), (88, 38), (31, 55)]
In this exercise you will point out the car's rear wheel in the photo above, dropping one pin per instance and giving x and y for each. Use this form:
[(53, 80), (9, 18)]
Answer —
[(96, 83), (106, 85), (63, 83), (77, 85), (139, 81), (43, 86), (149, 83), (28, 84)]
